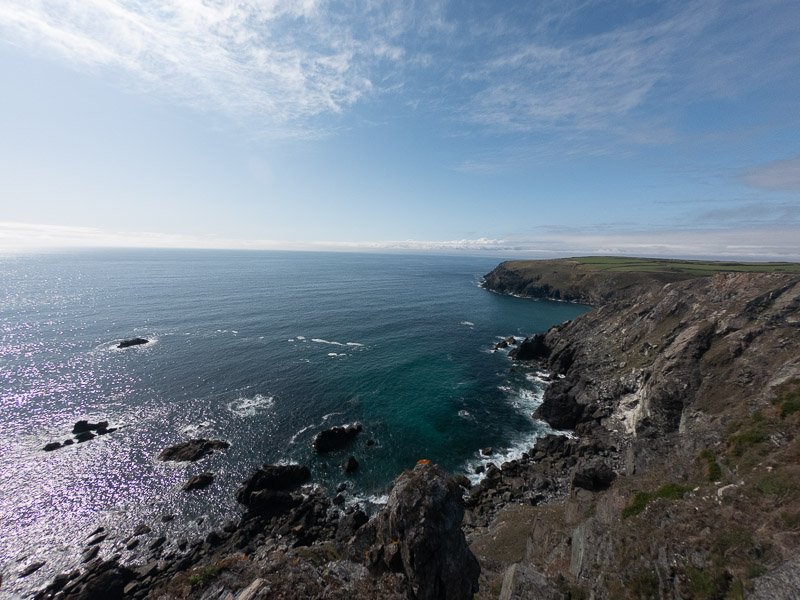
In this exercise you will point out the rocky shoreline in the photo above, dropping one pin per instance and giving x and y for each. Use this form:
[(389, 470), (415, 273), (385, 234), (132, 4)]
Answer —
[(680, 391)]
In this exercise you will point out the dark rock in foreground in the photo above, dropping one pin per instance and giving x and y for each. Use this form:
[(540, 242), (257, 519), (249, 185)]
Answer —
[(272, 477), (198, 482), (192, 449), (419, 534), (350, 465), (132, 342), (336, 437)]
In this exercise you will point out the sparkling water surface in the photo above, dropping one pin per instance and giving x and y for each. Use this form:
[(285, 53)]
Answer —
[(262, 349)]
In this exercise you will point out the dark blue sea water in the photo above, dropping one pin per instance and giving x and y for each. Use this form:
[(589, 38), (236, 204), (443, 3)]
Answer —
[(263, 349)]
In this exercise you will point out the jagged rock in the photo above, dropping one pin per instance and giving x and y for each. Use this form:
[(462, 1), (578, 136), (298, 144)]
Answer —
[(269, 503), (350, 465), (198, 482), (141, 529), (532, 348), (487, 451), (349, 524), (418, 533), (463, 481), (341, 487), (501, 345), (521, 582), (272, 477), (192, 450), (84, 437), (335, 438), (52, 446), (105, 581), (132, 342)]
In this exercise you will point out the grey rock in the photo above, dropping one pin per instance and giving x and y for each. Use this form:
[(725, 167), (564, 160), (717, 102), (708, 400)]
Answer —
[(192, 450), (521, 582)]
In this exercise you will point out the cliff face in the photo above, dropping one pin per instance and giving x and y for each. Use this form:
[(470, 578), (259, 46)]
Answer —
[(693, 383)]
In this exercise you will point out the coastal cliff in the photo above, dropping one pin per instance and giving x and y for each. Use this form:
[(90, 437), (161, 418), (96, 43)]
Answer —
[(683, 387)]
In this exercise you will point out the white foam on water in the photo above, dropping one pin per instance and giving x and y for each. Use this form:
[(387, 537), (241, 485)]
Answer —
[(329, 415), (300, 337), (465, 414), (354, 344), (303, 430), (196, 428), (250, 407), (321, 341), (467, 323), (289, 340)]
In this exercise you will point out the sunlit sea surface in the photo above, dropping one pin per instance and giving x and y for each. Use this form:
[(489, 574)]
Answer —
[(263, 349)]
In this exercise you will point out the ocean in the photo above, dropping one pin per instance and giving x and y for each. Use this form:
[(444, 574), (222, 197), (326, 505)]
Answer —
[(262, 349)]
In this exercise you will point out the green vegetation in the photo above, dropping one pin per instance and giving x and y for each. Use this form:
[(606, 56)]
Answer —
[(204, 577), (713, 470), (692, 267), (744, 436), (777, 483), (790, 403), (670, 491)]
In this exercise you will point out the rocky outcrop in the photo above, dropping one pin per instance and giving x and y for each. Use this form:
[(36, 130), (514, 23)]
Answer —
[(419, 534), (272, 477), (335, 438), (132, 342), (192, 450)]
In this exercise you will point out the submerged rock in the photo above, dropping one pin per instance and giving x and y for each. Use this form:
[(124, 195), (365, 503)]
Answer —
[(132, 342), (418, 533), (192, 450), (336, 437)]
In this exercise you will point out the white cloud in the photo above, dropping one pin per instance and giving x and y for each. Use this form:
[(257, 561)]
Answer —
[(280, 63), (775, 175)]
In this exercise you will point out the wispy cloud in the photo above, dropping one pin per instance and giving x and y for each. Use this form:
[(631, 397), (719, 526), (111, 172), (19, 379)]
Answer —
[(628, 79), (775, 175), (278, 63)]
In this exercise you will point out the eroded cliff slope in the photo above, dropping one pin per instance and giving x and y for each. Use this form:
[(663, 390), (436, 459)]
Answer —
[(687, 377)]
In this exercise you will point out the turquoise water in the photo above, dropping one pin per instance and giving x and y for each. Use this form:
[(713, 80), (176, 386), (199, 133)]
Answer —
[(263, 349)]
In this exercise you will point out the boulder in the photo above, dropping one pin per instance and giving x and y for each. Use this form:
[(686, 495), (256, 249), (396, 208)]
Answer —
[(349, 524), (52, 446), (272, 477), (83, 426), (418, 533), (84, 437), (350, 465), (132, 342), (192, 450), (335, 438), (198, 482), (270, 503)]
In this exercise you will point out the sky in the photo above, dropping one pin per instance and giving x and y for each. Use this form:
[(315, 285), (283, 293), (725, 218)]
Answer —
[(532, 128)]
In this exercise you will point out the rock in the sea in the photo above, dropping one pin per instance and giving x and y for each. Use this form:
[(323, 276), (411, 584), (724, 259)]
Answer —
[(336, 437), (418, 533), (532, 348), (272, 477), (31, 568), (84, 426), (198, 482), (132, 342), (192, 449), (84, 437), (350, 465), (487, 451), (52, 446)]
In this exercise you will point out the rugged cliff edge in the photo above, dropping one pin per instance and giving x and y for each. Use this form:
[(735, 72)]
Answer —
[(683, 387)]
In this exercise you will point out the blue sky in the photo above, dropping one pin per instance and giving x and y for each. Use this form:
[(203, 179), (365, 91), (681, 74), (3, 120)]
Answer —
[(518, 128)]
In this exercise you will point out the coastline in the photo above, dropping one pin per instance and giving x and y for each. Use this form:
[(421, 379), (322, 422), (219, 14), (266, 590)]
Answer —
[(556, 516)]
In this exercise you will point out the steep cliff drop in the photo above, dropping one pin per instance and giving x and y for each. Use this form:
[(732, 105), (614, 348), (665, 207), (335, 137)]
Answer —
[(685, 382)]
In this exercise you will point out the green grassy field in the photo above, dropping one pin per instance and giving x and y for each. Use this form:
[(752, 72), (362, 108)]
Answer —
[(621, 264)]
